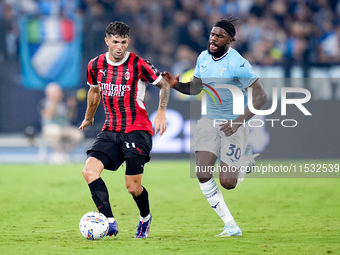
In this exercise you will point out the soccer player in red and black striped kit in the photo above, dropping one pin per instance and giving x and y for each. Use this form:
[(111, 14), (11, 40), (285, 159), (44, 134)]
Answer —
[(118, 79)]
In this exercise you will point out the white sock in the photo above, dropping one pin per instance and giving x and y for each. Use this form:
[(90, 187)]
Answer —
[(241, 174), (215, 198), (111, 219), (144, 219)]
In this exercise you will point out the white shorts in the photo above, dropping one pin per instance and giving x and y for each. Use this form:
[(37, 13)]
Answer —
[(229, 148)]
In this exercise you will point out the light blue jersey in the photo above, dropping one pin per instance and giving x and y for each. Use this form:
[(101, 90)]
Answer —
[(230, 69)]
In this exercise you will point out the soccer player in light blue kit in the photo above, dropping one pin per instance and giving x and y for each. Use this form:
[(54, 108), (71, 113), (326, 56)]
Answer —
[(220, 133)]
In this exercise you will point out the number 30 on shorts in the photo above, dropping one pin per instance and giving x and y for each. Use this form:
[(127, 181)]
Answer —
[(234, 151)]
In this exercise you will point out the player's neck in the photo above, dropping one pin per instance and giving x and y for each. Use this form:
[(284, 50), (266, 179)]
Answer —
[(222, 54), (115, 62)]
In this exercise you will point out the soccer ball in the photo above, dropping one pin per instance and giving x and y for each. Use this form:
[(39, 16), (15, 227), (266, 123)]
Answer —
[(94, 225)]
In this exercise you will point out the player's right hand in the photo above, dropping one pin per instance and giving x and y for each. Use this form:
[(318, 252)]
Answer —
[(172, 80), (86, 123), (160, 122)]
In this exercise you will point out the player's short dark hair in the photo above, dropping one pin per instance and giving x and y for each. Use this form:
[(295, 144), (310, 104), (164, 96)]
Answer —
[(118, 28), (227, 25)]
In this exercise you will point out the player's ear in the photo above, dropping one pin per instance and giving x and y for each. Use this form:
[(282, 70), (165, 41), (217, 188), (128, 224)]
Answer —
[(106, 40)]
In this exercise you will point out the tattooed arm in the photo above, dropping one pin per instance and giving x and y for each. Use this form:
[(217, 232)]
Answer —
[(160, 120)]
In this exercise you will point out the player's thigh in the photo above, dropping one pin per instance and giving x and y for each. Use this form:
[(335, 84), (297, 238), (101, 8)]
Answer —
[(228, 176), (205, 158), (205, 162), (137, 144), (107, 149), (206, 137), (228, 171), (232, 147)]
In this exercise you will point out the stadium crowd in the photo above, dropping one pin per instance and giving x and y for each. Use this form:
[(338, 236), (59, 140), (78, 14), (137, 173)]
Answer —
[(171, 33), (276, 34)]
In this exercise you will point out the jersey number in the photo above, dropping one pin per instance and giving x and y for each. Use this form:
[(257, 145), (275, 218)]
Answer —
[(236, 152)]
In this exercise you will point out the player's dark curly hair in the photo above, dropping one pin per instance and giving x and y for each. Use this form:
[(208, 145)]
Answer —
[(118, 28), (227, 25)]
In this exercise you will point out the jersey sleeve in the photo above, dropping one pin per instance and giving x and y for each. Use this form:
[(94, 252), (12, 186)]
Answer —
[(197, 72), (244, 73), (150, 73), (91, 79)]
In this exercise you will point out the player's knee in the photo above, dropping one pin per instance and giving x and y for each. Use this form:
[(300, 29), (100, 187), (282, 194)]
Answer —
[(203, 180), (90, 174), (134, 190), (86, 173), (228, 183), (92, 170)]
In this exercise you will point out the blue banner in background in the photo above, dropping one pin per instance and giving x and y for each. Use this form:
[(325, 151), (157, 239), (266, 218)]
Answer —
[(50, 50)]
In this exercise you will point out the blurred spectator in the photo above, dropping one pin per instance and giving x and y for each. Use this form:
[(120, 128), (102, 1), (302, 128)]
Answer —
[(185, 65), (96, 19), (250, 31), (9, 31), (56, 116), (181, 22), (279, 11), (230, 8), (329, 47), (185, 59), (296, 48), (259, 8), (196, 37), (265, 27)]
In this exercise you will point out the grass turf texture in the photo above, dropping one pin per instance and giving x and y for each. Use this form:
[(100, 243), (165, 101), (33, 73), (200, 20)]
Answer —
[(41, 206)]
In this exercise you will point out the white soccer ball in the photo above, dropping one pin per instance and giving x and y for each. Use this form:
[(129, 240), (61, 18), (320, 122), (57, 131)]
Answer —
[(94, 225)]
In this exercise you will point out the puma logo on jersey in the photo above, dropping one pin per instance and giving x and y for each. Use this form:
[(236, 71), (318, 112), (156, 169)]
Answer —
[(140, 150), (242, 64), (103, 72)]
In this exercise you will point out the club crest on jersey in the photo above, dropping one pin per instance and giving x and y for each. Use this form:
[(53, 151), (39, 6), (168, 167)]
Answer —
[(222, 71), (127, 75)]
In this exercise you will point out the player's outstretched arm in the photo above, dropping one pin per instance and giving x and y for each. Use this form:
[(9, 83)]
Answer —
[(194, 87), (160, 120), (93, 100)]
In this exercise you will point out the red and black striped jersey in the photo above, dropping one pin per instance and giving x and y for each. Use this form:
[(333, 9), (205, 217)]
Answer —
[(122, 86)]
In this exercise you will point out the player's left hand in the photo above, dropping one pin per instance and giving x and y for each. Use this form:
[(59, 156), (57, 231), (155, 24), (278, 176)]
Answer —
[(229, 129), (86, 123), (160, 122)]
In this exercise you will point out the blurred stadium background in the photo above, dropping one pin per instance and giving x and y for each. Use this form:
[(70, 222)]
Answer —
[(290, 43)]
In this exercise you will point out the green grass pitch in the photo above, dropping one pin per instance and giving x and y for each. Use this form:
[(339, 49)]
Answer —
[(41, 206)]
